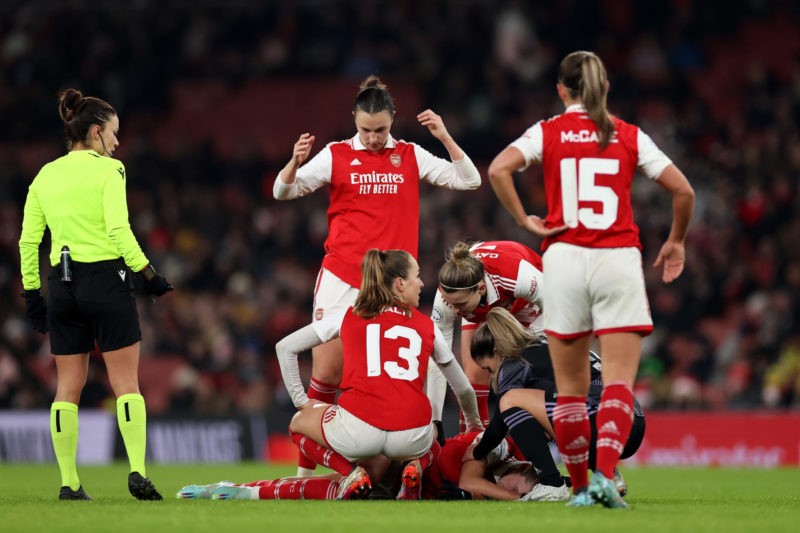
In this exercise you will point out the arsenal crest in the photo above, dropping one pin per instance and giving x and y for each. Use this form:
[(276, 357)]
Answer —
[(395, 159)]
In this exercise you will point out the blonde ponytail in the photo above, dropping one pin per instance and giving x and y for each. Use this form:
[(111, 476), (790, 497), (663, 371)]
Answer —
[(584, 76)]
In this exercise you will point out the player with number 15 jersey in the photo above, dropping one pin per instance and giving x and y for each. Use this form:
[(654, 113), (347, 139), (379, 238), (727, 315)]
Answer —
[(588, 189), (593, 279)]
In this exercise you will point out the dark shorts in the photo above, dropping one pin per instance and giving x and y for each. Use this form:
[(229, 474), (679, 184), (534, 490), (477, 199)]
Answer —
[(97, 305), (637, 429), (631, 447)]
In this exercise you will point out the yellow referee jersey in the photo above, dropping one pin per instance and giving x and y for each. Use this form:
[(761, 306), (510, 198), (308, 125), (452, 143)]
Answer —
[(81, 198)]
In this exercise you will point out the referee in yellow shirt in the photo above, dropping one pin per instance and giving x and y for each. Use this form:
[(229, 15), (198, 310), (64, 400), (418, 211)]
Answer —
[(81, 198)]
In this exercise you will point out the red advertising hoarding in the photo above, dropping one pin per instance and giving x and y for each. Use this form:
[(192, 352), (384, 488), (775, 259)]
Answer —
[(748, 439)]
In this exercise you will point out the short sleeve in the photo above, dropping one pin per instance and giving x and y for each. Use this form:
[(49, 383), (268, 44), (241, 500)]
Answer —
[(651, 159), (531, 144)]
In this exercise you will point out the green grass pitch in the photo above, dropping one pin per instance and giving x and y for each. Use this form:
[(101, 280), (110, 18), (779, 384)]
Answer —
[(661, 499)]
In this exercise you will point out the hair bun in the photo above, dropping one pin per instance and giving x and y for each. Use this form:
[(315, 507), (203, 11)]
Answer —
[(371, 82), (68, 103)]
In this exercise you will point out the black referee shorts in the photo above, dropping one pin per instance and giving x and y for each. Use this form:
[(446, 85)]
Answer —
[(97, 305)]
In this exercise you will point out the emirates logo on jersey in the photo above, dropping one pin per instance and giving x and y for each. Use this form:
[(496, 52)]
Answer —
[(395, 159)]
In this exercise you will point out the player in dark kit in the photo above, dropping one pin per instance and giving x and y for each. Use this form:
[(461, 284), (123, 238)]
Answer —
[(522, 377)]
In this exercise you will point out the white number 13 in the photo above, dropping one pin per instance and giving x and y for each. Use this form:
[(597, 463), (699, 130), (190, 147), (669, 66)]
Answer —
[(409, 353), (577, 184)]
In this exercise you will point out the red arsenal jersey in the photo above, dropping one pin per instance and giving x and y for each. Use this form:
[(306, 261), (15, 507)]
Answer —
[(385, 365), (447, 469), (452, 456), (512, 273), (589, 189), (374, 204)]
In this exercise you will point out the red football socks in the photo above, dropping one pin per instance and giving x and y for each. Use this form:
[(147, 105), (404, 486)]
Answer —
[(313, 488), (614, 421), (320, 455), (429, 458), (323, 392), (573, 434)]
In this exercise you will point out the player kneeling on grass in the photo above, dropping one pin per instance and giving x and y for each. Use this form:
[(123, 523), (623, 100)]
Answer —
[(382, 410), (527, 398)]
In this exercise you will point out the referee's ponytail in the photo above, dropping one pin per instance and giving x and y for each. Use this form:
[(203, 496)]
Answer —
[(79, 113)]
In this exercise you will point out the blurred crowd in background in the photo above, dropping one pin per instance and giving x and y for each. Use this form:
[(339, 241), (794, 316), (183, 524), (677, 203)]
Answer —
[(211, 95)]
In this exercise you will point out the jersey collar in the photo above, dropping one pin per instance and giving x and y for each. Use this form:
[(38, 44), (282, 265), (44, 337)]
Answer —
[(358, 145), (87, 152), (575, 108)]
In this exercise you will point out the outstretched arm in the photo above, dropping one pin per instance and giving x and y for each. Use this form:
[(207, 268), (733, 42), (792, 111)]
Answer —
[(495, 432)]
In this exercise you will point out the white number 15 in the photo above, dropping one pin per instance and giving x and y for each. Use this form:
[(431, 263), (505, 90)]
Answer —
[(577, 184)]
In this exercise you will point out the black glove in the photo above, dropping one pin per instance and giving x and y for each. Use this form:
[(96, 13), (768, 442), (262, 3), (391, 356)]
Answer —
[(153, 283), (448, 491), (439, 432), (36, 310)]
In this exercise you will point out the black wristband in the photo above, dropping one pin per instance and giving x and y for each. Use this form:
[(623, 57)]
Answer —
[(148, 272)]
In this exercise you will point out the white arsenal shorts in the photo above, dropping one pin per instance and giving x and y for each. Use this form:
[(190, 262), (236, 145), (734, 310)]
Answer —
[(593, 290), (354, 439), (331, 295)]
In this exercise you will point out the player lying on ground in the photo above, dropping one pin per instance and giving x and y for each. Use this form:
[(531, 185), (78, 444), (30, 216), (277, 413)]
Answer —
[(453, 475)]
